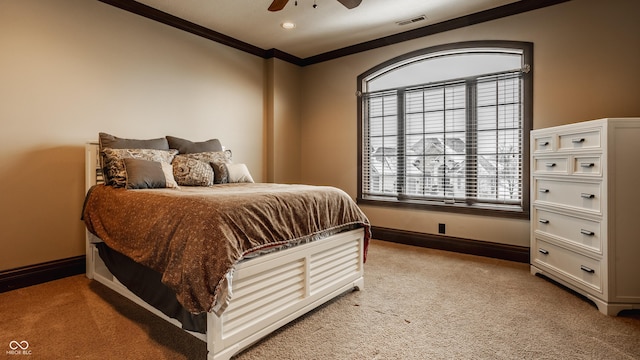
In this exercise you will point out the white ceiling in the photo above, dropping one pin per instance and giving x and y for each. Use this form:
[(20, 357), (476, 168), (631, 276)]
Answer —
[(328, 27)]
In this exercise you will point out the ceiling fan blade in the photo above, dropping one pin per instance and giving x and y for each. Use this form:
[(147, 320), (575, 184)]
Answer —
[(278, 5), (350, 4)]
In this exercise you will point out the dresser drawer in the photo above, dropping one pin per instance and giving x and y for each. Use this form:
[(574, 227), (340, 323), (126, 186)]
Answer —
[(581, 195), (543, 144), (577, 231), (551, 165), (587, 165), (577, 267), (580, 140)]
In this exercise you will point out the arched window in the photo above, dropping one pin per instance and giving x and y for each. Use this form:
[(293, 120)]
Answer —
[(448, 127)]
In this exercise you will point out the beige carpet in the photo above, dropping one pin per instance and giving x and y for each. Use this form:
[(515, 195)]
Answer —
[(417, 304)]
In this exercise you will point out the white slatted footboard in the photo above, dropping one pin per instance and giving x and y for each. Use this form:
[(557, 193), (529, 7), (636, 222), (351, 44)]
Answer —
[(272, 290)]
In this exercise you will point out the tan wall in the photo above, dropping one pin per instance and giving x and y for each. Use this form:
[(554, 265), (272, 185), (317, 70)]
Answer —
[(283, 121), (69, 69), (586, 58)]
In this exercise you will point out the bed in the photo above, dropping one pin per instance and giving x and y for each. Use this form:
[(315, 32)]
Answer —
[(228, 298)]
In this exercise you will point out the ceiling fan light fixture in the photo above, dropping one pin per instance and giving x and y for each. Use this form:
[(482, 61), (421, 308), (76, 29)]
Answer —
[(278, 5), (288, 25)]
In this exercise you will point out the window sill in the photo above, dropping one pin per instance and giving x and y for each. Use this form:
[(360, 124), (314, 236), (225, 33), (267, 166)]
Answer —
[(493, 210)]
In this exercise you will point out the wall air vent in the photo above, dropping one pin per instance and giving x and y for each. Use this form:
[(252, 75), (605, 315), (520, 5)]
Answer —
[(412, 20)]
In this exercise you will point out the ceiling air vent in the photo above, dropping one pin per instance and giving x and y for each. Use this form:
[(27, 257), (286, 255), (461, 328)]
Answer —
[(412, 20)]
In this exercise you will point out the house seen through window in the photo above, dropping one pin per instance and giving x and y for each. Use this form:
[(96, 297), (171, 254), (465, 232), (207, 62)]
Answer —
[(448, 127)]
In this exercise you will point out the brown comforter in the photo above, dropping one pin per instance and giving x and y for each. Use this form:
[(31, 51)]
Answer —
[(194, 236)]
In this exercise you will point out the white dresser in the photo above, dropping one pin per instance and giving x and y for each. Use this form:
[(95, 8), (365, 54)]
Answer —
[(585, 209)]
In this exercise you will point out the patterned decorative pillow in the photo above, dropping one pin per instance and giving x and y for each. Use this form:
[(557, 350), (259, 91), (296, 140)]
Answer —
[(216, 159), (114, 170), (221, 175), (192, 172), (113, 142)]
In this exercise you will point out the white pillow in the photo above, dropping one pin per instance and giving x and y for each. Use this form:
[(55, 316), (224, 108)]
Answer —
[(167, 169), (239, 173)]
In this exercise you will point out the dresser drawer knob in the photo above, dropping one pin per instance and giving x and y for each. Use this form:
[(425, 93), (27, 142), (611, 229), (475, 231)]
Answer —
[(543, 190), (587, 232), (544, 143), (577, 140), (543, 221), (543, 251), (587, 165), (587, 269), (550, 164), (587, 196)]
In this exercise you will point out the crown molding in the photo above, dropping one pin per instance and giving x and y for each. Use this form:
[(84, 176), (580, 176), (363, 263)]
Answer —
[(457, 23), (179, 23)]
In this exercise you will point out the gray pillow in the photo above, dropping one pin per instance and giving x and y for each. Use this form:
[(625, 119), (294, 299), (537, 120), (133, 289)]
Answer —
[(147, 174), (189, 147), (114, 142)]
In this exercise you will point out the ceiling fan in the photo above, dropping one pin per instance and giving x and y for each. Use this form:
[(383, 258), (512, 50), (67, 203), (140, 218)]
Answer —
[(278, 5)]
